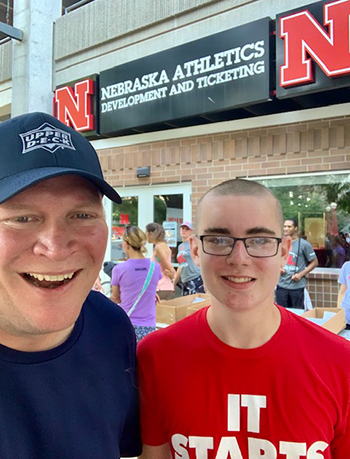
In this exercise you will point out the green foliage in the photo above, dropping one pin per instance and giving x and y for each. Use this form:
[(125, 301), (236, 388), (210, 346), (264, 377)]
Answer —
[(129, 206), (300, 201), (303, 201), (160, 209), (338, 193)]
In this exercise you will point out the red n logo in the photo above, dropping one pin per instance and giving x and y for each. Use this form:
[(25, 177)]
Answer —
[(74, 108), (124, 219), (303, 37)]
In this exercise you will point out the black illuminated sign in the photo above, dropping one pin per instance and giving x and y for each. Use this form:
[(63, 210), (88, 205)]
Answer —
[(219, 72)]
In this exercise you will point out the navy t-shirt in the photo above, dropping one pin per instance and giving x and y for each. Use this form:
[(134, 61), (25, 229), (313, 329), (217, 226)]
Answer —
[(78, 400)]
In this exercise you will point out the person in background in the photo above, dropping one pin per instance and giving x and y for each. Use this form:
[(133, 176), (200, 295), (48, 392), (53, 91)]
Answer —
[(243, 377), (67, 356), (344, 291), (338, 252), (134, 283), (97, 287), (301, 260), (345, 243), (162, 255), (188, 271)]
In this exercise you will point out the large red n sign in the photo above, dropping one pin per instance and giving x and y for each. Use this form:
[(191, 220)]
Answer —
[(74, 108), (304, 37)]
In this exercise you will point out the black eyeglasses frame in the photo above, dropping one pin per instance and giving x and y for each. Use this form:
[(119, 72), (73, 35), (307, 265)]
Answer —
[(243, 239)]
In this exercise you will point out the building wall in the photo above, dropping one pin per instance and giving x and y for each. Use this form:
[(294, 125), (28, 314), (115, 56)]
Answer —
[(107, 33), (5, 79), (321, 145), (5, 61)]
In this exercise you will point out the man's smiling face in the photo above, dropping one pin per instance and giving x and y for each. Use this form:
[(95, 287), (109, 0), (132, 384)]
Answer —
[(290, 229), (239, 281), (52, 238)]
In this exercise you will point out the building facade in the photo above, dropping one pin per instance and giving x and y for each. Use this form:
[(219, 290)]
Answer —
[(187, 94)]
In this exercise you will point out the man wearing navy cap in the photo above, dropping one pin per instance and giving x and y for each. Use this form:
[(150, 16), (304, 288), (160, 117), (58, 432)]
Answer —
[(66, 354), (188, 271)]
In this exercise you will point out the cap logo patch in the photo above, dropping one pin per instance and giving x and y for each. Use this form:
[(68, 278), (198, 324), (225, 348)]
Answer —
[(47, 137)]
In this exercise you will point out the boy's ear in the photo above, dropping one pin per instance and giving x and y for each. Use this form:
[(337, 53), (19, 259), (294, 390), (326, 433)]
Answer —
[(194, 244)]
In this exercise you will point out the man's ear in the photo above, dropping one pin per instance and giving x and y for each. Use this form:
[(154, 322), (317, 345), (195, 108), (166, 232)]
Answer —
[(194, 244), (286, 245)]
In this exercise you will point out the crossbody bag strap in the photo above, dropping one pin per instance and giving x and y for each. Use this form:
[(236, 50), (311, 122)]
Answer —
[(298, 253), (145, 285)]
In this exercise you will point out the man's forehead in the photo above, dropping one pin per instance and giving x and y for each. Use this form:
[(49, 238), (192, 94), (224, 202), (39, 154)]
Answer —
[(73, 183)]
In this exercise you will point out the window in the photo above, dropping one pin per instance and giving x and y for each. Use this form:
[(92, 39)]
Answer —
[(6, 14), (321, 206), (168, 209), (169, 205), (122, 215)]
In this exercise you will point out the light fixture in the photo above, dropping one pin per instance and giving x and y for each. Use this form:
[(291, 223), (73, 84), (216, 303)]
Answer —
[(143, 172)]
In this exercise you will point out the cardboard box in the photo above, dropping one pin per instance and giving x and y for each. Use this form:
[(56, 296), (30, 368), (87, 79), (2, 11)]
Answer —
[(171, 311), (334, 323)]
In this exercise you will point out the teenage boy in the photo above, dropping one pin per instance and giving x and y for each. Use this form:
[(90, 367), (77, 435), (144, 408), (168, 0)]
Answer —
[(243, 378)]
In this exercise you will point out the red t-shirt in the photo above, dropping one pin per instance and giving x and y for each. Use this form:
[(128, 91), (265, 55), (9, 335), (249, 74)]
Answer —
[(288, 399)]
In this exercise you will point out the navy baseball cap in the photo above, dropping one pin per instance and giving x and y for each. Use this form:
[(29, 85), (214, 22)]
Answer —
[(36, 146)]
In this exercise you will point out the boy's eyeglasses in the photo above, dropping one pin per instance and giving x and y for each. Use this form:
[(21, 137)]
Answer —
[(257, 247)]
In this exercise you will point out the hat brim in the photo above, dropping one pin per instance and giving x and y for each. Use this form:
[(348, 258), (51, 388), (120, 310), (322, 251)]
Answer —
[(15, 184)]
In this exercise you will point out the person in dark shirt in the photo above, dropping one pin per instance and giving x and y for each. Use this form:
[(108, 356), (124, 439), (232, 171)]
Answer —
[(67, 354), (301, 260)]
